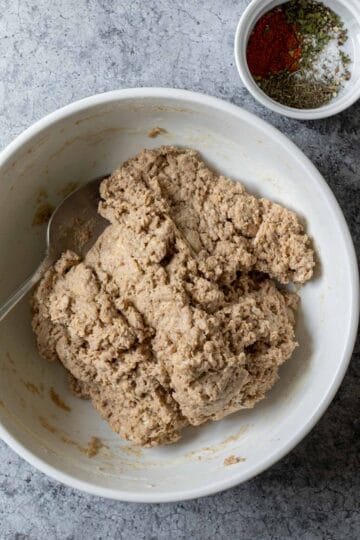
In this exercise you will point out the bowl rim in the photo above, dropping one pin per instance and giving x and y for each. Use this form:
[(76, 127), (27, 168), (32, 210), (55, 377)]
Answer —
[(245, 24), (191, 98)]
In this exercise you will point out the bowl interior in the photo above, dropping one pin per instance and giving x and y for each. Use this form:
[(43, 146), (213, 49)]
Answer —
[(41, 419), (349, 11)]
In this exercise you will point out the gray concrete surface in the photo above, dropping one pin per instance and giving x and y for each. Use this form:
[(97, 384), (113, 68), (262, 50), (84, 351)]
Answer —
[(52, 53)]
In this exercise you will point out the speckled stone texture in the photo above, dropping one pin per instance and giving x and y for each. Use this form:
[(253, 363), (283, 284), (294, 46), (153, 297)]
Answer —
[(52, 53)]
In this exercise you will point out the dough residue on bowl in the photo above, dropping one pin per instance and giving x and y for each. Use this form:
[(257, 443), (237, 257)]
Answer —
[(174, 316), (232, 460), (155, 131), (43, 213)]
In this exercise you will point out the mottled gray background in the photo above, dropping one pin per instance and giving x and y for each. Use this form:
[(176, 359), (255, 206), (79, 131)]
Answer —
[(52, 53)]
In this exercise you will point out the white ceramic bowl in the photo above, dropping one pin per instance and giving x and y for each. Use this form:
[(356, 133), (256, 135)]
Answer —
[(349, 10), (90, 138)]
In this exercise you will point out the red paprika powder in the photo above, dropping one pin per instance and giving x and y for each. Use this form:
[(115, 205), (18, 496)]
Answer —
[(273, 46)]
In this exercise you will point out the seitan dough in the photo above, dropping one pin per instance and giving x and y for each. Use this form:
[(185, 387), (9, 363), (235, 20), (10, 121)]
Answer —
[(174, 317)]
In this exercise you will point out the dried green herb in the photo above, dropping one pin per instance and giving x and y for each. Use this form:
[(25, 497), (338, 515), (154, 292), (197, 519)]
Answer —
[(288, 89)]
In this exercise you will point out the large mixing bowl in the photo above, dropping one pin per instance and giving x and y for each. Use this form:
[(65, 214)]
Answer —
[(39, 417)]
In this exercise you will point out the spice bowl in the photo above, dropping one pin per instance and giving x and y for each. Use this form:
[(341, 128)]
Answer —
[(349, 12)]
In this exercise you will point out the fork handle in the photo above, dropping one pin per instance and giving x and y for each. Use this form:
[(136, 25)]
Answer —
[(25, 287)]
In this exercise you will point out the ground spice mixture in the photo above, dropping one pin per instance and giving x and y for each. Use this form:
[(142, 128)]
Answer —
[(295, 54)]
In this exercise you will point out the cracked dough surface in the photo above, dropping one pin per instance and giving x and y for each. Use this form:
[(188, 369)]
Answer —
[(174, 316)]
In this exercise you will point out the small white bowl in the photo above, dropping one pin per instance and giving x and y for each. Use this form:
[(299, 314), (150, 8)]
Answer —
[(349, 11)]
